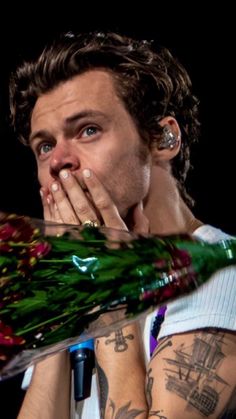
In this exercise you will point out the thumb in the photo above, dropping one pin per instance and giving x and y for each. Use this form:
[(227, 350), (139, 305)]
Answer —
[(141, 223)]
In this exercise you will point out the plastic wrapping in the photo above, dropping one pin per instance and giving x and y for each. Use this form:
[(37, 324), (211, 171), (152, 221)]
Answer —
[(60, 284)]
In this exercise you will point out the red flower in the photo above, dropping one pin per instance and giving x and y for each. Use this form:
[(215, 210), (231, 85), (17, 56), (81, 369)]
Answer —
[(181, 258), (7, 232), (39, 249), (7, 338), (17, 229), (160, 264)]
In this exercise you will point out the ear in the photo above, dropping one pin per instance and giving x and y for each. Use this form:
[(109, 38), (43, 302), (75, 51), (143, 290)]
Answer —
[(167, 145)]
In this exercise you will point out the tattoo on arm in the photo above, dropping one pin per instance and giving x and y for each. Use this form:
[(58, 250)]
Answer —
[(164, 343), (149, 388), (120, 341), (103, 389), (192, 373), (229, 411), (121, 413), (124, 412), (156, 413)]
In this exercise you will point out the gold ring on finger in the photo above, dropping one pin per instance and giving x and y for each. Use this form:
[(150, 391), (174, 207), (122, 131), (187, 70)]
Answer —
[(90, 223)]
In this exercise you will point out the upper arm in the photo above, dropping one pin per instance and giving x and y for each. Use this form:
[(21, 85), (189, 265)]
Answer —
[(193, 375)]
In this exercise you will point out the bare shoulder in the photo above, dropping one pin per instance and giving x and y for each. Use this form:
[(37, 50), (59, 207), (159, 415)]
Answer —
[(193, 375)]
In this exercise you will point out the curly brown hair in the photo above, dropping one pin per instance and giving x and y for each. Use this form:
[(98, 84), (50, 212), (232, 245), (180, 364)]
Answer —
[(151, 83)]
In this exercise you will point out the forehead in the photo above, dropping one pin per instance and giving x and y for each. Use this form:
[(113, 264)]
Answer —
[(93, 88)]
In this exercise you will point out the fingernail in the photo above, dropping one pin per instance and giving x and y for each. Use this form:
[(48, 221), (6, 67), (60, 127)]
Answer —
[(64, 174), (87, 173), (54, 187), (41, 193)]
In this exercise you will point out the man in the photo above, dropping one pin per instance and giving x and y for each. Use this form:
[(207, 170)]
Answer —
[(111, 123)]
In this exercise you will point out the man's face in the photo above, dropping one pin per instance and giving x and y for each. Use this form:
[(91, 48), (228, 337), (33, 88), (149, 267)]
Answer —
[(82, 124)]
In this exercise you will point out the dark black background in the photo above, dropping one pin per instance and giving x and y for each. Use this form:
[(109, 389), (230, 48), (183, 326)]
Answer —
[(203, 41)]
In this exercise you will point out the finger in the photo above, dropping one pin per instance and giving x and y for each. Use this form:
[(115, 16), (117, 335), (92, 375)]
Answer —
[(45, 198), (63, 205), (103, 201), (141, 223), (51, 214), (82, 206), (54, 211), (56, 218), (56, 214)]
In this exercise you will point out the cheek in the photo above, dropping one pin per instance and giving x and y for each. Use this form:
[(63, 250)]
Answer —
[(146, 178), (41, 178), (44, 178)]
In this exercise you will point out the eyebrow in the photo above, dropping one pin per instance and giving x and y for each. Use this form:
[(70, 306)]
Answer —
[(84, 114), (42, 133), (68, 122)]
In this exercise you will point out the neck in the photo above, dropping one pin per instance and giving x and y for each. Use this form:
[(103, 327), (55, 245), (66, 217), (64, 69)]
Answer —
[(165, 209)]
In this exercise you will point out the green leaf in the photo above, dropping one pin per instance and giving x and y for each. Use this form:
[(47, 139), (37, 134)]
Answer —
[(27, 305)]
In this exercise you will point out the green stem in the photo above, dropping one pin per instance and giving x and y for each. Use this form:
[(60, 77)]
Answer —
[(19, 244), (41, 324), (55, 260), (29, 329), (62, 325)]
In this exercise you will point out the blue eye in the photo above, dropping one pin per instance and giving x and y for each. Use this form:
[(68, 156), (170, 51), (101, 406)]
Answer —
[(44, 148), (89, 131)]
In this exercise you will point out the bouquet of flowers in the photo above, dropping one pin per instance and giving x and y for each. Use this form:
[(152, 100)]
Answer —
[(60, 285)]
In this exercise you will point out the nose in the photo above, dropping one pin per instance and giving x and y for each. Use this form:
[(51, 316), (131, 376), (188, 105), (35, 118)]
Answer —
[(63, 157)]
